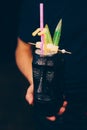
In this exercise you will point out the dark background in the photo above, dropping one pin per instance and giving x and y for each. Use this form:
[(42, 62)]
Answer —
[(15, 113), (14, 110)]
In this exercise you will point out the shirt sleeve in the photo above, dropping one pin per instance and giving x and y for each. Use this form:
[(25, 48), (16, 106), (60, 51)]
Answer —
[(28, 20)]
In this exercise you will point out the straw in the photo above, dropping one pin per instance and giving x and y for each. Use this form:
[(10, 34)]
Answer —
[(41, 26)]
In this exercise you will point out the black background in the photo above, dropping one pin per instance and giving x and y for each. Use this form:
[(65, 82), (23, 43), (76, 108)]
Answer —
[(14, 109), (15, 113)]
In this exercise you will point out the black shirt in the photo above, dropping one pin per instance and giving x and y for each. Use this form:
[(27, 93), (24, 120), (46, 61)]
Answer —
[(73, 38)]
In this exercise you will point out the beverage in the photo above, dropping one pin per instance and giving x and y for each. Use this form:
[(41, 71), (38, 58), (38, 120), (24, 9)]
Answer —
[(47, 75), (48, 66)]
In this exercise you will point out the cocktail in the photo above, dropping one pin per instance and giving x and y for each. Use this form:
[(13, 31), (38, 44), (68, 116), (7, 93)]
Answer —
[(48, 85), (48, 66)]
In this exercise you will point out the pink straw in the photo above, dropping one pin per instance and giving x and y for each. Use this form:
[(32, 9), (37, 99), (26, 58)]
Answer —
[(41, 25)]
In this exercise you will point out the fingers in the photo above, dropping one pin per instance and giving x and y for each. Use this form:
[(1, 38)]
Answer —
[(61, 111), (52, 118), (29, 95), (65, 103), (63, 108)]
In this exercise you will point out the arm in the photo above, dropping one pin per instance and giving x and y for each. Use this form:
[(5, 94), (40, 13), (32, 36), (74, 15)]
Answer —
[(23, 56)]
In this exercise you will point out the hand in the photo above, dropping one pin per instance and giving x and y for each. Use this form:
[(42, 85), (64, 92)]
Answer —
[(61, 111), (30, 99), (29, 94)]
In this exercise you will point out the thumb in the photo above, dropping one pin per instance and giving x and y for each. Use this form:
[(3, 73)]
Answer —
[(29, 95)]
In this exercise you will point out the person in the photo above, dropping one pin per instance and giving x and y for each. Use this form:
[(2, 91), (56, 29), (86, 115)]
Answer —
[(73, 38)]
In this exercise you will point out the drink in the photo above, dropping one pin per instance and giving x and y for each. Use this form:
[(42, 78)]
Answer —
[(47, 75)]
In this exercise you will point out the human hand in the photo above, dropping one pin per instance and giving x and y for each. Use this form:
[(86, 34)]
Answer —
[(29, 94), (29, 97), (60, 112)]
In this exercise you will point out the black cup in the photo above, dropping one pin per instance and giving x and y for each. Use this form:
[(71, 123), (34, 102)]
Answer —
[(48, 84)]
